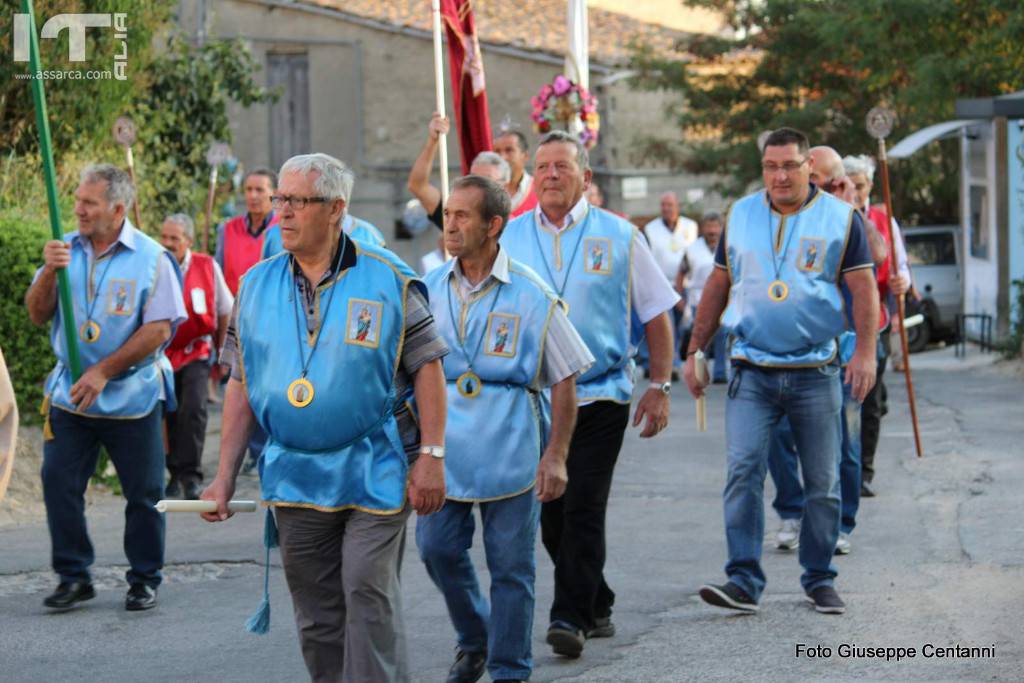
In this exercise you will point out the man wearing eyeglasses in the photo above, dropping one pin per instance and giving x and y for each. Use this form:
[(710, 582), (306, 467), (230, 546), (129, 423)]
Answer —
[(779, 266), (323, 344)]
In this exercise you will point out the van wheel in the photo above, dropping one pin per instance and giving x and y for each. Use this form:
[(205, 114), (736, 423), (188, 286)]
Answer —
[(918, 336)]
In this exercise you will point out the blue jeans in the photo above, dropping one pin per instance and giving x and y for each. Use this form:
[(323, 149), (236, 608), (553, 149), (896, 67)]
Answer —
[(783, 467), (758, 399), (504, 628), (136, 448)]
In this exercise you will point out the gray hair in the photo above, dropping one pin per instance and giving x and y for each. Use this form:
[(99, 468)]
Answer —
[(495, 160), (711, 216), (582, 156), (185, 222), (119, 184), (859, 165), (496, 201), (334, 179)]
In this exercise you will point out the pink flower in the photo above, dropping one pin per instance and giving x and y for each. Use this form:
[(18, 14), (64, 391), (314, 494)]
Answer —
[(546, 91), (561, 85)]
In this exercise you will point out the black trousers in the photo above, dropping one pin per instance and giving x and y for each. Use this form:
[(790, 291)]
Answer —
[(572, 527), (871, 414), (186, 427)]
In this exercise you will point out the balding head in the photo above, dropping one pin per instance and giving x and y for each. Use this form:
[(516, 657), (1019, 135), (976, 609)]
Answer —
[(670, 209), (826, 165)]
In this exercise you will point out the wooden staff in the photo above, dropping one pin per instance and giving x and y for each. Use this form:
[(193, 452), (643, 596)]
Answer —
[(880, 123), (442, 139), (216, 155), (124, 134)]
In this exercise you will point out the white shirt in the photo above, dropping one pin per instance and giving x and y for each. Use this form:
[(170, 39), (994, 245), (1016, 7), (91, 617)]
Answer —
[(564, 352), (431, 261), (651, 293), (525, 183), (668, 245), (700, 262)]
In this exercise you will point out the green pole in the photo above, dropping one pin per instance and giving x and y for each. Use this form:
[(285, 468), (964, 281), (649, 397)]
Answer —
[(45, 149)]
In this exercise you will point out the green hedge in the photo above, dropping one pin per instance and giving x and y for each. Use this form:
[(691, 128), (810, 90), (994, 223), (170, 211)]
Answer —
[(26, 347)]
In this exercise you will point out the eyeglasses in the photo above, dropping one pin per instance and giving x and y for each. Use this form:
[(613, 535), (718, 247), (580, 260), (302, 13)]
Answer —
[(788, 167), (278, 201)]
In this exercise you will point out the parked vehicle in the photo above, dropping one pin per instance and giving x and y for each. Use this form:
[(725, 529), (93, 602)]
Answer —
[(937, 266)]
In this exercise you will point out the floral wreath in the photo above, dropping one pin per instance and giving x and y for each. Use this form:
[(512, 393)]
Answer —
[(563, 101)]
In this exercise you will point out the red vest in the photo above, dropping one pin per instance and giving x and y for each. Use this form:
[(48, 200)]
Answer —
[(241, 250), (877, 216), (528, 204), (190, 343)]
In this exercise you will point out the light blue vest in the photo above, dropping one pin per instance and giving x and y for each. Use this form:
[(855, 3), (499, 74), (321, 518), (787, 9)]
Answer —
[(597, 291), (362, 231), (121, 298), (343, 449), (494, 441), (801, 330)]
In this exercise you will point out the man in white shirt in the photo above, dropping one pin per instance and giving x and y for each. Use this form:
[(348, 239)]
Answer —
[(669, 235), (697, 265), (601, 268)]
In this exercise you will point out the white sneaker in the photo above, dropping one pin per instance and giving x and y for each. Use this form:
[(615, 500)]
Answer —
[(843, 544), (788, 537)]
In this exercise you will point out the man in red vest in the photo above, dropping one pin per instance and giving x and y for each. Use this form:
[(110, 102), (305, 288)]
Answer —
[(240, 241), (208, 303)]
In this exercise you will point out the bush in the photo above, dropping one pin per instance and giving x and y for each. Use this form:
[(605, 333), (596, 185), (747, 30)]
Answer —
[(26, 347)]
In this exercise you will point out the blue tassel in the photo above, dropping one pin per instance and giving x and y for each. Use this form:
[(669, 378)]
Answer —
[(270, 530), (259, 622)]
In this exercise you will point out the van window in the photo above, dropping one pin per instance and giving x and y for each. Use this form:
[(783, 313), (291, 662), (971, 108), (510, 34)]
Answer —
[(931, 249)]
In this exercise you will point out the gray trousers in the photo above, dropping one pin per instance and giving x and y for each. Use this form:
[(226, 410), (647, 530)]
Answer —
[(342, 570)]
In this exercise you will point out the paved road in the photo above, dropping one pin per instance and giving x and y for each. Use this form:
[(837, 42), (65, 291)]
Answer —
[(937, 558)]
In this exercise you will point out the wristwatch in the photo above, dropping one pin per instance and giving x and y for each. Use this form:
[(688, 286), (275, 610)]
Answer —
[(433, 451), (665, 388)]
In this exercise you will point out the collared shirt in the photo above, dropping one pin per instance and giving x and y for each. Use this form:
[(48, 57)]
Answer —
[(565, 353), (651, 292), (223, 301), (902, 265), (165, 302), (218, 253), (525, 183), (699, 261), (668, 244), (423, 342)]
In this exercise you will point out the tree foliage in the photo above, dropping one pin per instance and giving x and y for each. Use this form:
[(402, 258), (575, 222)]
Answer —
[(820, 67)]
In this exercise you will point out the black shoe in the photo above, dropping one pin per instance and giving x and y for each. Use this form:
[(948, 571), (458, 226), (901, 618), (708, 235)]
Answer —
[(510, 680), (565, 639), (140, 597), (675, 375), (729, 596), (173, 489), (468, 667), (603, 628), (191, 490), (719, 380), (826, 600), (68, 593), (866, 491)]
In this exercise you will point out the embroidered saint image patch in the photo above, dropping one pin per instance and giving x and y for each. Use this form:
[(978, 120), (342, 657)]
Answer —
[(121, 297), (811, 256), (502, 335), (362, 326), (597, 255)]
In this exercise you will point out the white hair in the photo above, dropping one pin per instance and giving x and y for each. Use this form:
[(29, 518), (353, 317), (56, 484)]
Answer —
[(859, 165), (334, 179), (495, 160), (187, 226)]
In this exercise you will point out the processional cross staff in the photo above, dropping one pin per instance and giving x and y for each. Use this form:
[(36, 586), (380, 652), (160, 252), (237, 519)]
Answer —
[(879, 124), (124, 135), (216, 154)]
